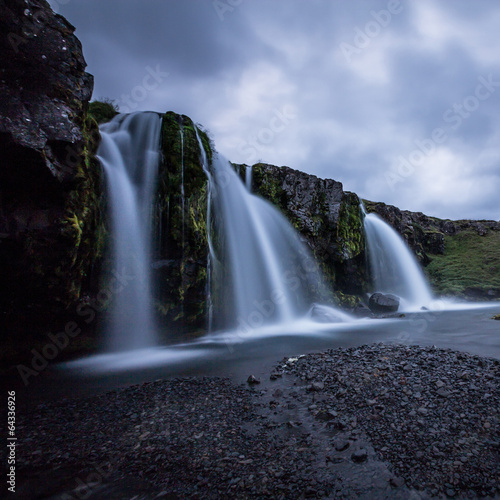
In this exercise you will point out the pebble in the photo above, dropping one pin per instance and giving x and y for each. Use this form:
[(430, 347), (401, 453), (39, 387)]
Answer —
[(359, 456), (252, 380)]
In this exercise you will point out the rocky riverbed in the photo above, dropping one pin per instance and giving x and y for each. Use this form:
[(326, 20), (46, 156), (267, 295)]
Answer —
[(378, 421)]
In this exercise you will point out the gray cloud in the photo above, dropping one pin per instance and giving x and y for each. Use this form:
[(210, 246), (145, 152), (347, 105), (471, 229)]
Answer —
[(364, 87)]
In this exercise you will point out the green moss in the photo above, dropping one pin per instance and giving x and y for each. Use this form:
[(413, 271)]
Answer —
[(103, 111), (350, 233), (469, 261), (180, 223)]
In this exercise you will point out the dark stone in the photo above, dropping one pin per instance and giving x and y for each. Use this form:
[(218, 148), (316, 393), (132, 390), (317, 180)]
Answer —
[(315, 387), (383, 303), (359, 456), (252, 380), (341, 444)]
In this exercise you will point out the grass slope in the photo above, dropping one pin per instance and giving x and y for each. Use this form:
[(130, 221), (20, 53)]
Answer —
[(470, 261)]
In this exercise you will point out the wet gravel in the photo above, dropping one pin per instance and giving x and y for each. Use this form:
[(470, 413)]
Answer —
[(432, 414), (372, 422)]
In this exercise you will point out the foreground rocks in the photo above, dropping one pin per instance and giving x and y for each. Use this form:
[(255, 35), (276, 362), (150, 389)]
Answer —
[(432, 414), (371, 422)]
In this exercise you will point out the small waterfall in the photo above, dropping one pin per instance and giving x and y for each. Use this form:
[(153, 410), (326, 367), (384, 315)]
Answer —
[(393, 266), (129, 153), (248, 177), (271, 273), (183, 197)]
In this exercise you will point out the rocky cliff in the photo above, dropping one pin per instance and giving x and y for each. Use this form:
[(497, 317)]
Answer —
[(328, 219), (51, 231)]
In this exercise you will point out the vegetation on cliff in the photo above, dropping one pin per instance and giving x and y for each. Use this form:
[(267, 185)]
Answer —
[(469, 267), (103, 111), (180, 215)]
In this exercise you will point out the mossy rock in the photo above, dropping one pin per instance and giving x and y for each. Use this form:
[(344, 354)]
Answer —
[(180, 224)]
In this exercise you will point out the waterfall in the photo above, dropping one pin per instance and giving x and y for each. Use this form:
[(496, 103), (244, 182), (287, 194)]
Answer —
[(248, 177), (129, 153), (393, 266), (183, 197), (271, 273)]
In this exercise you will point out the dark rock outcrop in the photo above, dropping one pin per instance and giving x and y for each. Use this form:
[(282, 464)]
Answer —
[(44, 88), (328, 219), (51, 231), (426, 235), (383, 303)]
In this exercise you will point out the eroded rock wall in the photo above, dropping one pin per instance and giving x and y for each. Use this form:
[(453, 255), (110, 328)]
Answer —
[(51, 231)]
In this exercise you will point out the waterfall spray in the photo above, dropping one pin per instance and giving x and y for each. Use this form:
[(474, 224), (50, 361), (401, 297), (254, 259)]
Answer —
[(271, 274), (393, 266), (129, 153)]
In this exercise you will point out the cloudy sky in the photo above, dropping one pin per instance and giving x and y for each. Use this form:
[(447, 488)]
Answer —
[(400, 101)]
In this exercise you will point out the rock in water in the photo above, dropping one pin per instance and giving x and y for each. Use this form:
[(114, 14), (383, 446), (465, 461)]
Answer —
[(383, 303)]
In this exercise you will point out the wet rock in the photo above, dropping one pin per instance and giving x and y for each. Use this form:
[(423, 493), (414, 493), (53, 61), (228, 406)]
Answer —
[(252, 380), (359, 456), (383, 303), (315, 387), (341, 444), (51, 222)]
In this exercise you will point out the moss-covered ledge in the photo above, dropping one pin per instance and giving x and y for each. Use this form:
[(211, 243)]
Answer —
[(180, 214)]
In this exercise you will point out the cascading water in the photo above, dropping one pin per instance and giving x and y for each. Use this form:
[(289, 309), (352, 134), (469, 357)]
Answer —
[(393, 266), (248, 177), (129, 153), (183, 197), (272, 275)]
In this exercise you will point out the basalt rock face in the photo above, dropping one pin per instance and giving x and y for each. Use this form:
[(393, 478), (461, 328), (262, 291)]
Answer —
[(51, 232), (328, 219), (424, 235)]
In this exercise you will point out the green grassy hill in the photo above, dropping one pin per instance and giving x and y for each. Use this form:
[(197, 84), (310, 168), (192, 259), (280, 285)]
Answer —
[(470, 265)]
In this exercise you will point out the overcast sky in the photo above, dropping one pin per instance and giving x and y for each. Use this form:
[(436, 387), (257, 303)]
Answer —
[(400, 101)]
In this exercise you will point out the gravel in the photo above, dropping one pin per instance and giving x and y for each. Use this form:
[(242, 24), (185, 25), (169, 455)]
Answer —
[(371, 422)]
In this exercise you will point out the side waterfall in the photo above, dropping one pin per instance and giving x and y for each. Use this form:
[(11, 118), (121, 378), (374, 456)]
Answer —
[(393, 266), (272, 276), (129, 153)]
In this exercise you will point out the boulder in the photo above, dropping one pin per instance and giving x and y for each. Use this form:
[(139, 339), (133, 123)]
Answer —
[(383, 303)]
